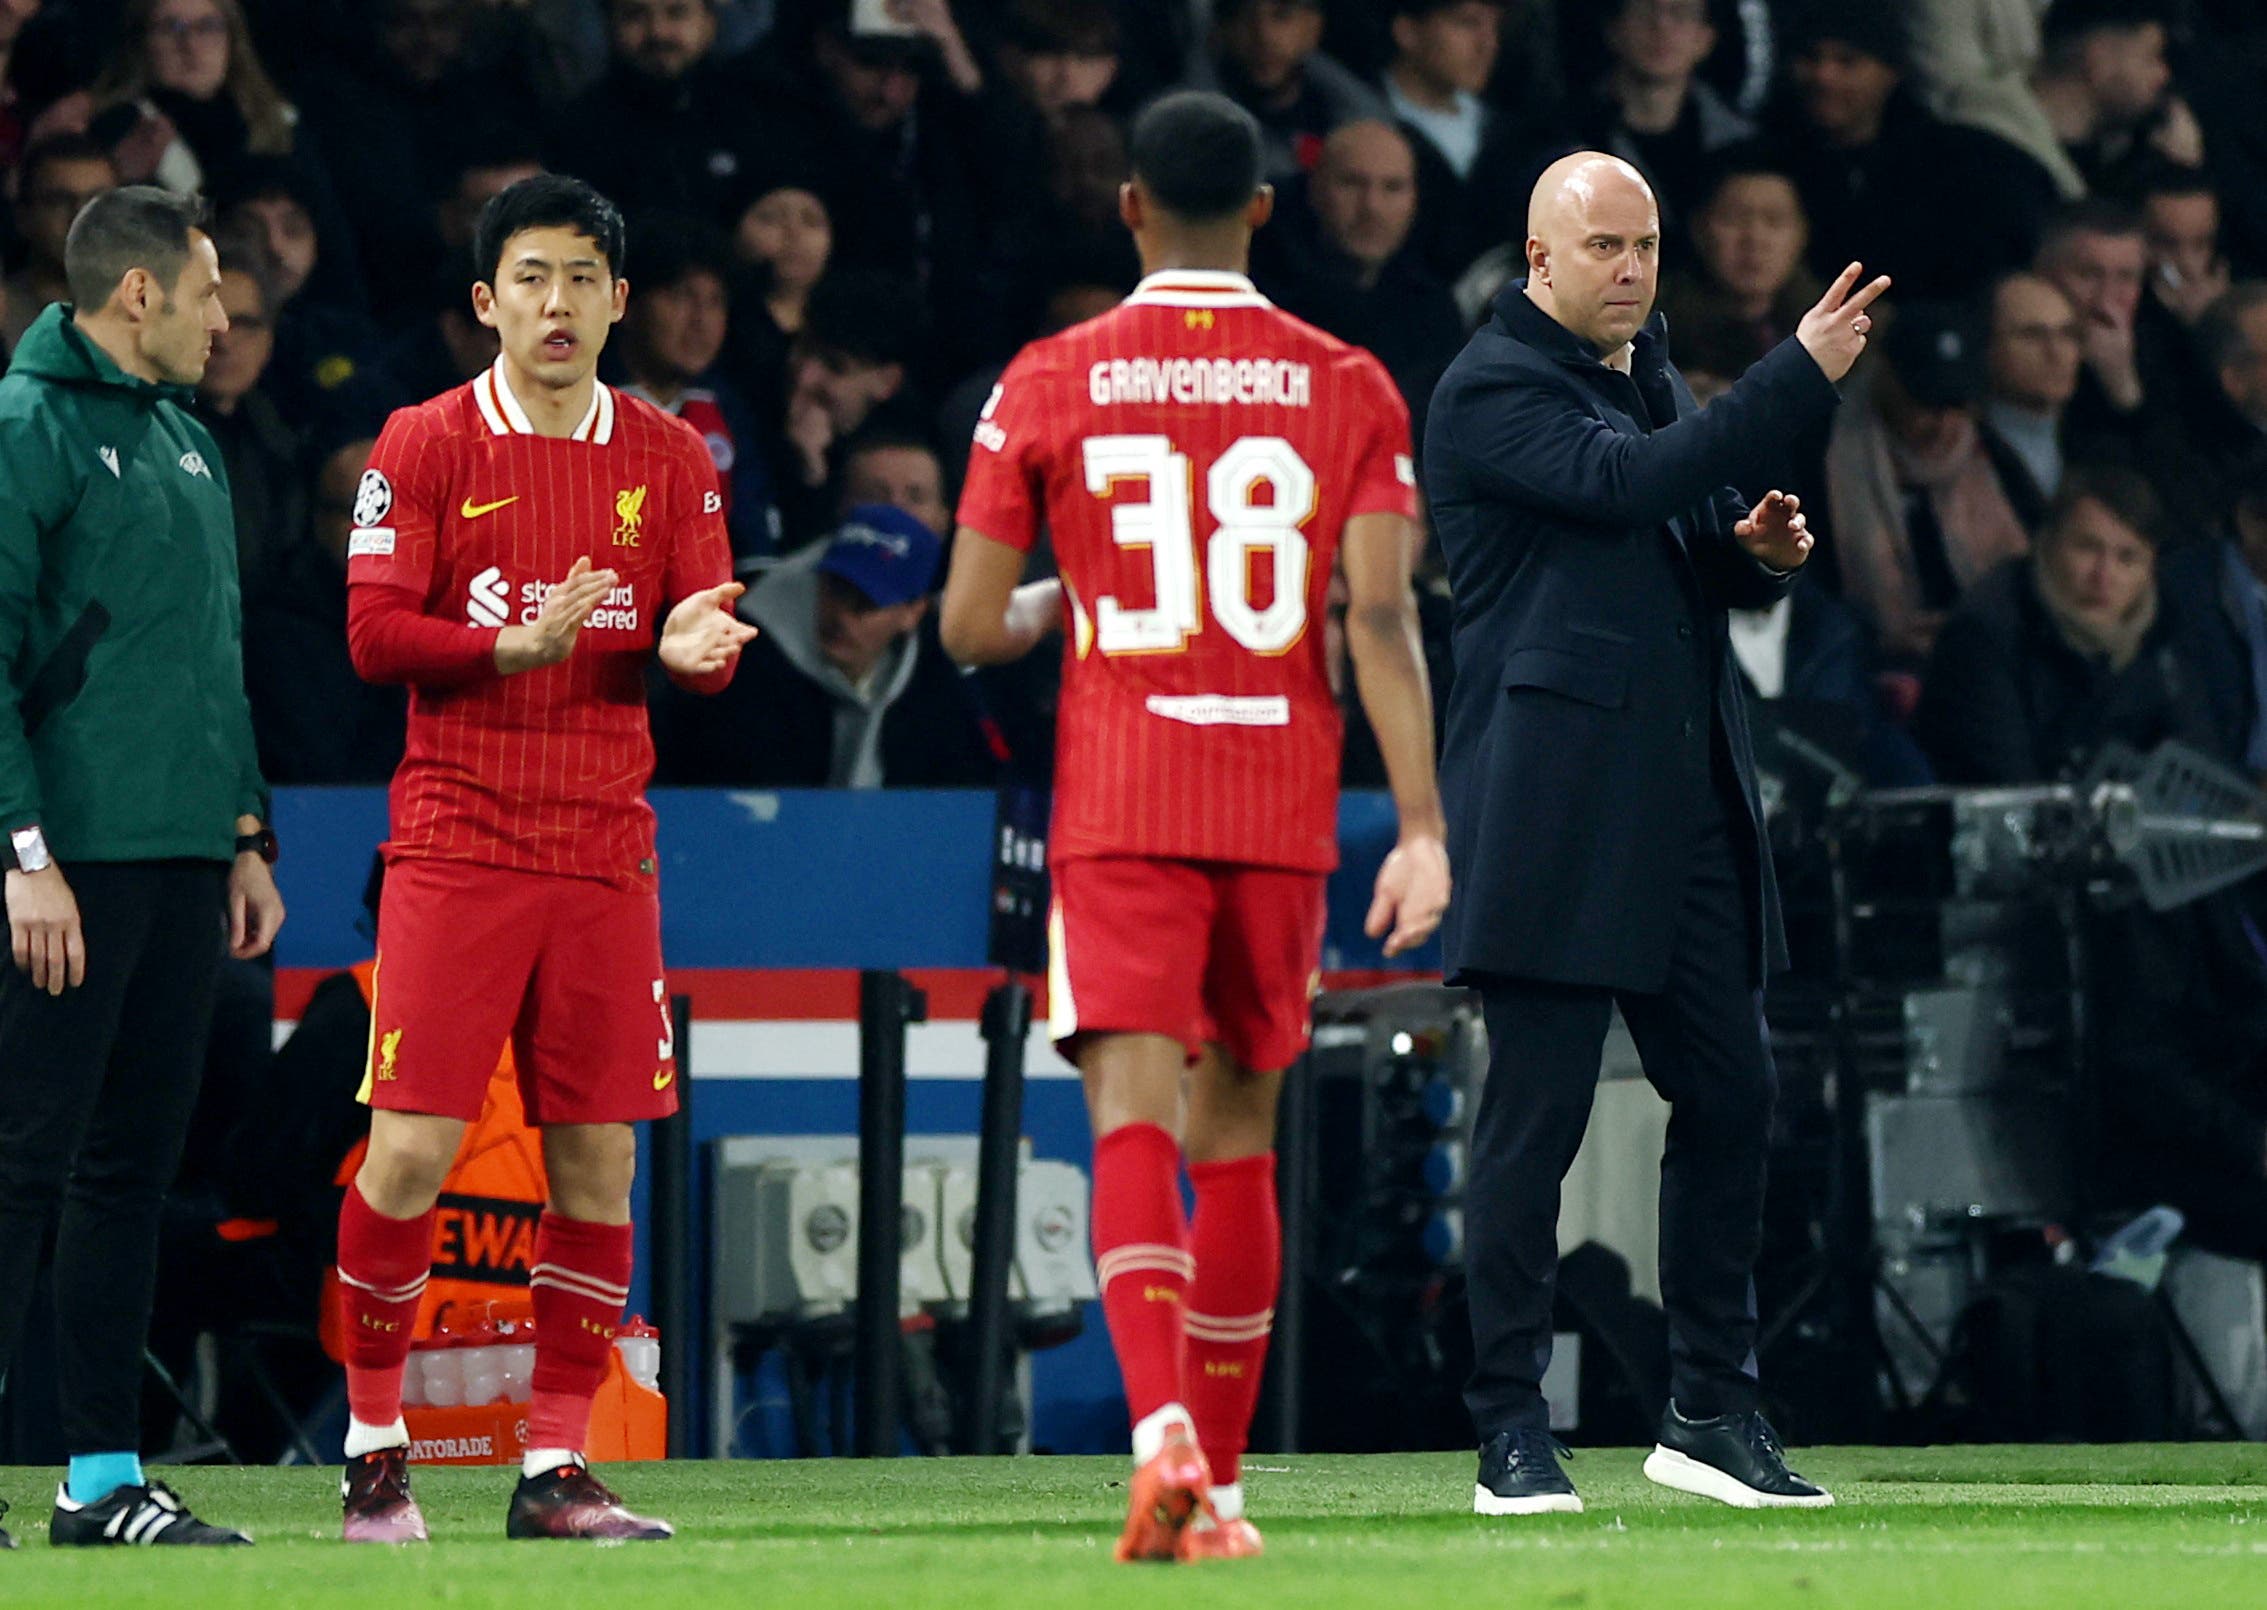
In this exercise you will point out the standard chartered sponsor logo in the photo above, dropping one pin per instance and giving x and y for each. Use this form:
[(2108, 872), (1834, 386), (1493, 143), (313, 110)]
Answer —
[(617, 611), (488, 603)]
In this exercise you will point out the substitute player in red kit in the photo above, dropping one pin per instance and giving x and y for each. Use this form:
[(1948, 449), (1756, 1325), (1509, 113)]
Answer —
[(1201, 461), (517, 545)]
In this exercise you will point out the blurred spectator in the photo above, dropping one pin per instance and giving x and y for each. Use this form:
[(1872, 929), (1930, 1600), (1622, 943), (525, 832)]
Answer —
[(2108, 91), (314, 720), (846, 687), (2180, 226), (190, 69), (1072, 229), (852, 358), (13, 15), (2031, 366), (1809, 663), (1745, 288), (1267, 56), (261, 450), (1972, 62), (916, 157), (1059, 53), (1916, 512), (2216, 592), (322, 340), (886, 464), (1882, 177), (2197, 460), (444, 348), (781, 244), (667, 126), (1469, 150), (399, 119), (2095, 254), (1089, 290), (2055, 654), (1335, 256), (570, 38), (672, 336), (1651, 109), (58, 176)]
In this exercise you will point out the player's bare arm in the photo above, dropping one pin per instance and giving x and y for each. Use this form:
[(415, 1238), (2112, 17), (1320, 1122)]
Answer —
[(1389, 673), (987, 618), (702, 635), (550, 637)]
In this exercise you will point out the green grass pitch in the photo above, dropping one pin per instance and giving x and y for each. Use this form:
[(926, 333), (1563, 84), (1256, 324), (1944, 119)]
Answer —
[(1951, 1528)]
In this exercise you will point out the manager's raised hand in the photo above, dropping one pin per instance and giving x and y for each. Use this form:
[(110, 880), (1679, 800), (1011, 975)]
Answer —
[(1833, 332)]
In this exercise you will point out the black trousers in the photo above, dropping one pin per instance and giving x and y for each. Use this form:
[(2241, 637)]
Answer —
[(1702, 1044), (96, 1089)]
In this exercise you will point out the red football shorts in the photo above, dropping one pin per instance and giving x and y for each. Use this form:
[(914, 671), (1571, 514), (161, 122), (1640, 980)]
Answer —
[(567, 969), (1199, 950)]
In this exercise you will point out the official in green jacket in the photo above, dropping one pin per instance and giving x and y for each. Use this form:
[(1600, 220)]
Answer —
[(133, 821)]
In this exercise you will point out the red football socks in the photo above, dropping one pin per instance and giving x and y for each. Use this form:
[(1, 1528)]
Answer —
[(1142, 1261), (1238, 1242), (580, 1280), (382, 1265)]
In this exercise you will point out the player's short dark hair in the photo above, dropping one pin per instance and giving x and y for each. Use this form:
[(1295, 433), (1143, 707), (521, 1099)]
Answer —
[(673, 246), (864, 314), (1197, 154), (2126, 493), (548, 201), (135, 226)]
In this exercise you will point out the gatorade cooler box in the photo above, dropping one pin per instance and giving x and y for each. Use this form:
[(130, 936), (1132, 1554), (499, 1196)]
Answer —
[(465, 1393)]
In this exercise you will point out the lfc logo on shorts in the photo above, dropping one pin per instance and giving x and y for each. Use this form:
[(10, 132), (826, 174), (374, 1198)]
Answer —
[(388, 1044), (629, 516)]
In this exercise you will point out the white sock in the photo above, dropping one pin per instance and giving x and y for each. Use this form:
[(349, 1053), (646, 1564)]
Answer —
[(363, 1437), (1149, 1433), (1228, 1501), (540, 1460)]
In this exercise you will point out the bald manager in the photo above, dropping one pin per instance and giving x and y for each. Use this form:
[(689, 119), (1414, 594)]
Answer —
[(1602, 809)]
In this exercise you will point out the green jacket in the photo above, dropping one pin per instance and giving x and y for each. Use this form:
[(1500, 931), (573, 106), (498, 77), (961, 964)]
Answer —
[(124, 732)]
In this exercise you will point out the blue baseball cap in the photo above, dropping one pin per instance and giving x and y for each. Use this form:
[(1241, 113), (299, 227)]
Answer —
[(885, 553)]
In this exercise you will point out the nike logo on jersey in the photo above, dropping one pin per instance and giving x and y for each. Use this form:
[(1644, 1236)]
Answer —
[(664, 1078), (473, 511)]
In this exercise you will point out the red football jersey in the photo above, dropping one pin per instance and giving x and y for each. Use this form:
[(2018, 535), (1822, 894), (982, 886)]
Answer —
[(1194, 455), (463, 522)]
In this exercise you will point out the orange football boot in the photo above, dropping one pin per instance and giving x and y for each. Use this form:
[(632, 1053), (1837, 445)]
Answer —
[(1168, 1492), (1238, 1539)]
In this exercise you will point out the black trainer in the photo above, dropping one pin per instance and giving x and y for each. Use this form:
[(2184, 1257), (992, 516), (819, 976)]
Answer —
[(1520, 1475), (133, 1515), (1735, 1459)]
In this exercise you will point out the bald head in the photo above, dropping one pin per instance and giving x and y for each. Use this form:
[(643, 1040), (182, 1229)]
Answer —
[(1364, 192), (1594, 247)]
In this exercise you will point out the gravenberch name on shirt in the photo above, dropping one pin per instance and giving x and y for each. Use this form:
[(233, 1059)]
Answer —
[(1261, 382)]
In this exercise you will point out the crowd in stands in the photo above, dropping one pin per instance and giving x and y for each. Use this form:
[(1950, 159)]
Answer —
[(2041, 509)]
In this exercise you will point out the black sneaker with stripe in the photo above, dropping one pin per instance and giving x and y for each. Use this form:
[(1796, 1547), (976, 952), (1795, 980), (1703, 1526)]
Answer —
[(133, 1516)]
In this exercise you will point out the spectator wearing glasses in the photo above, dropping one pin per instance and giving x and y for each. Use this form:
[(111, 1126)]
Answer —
[(58, 176)]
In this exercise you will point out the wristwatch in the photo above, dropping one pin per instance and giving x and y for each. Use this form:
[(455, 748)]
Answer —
[(26, 851), (262, 844)]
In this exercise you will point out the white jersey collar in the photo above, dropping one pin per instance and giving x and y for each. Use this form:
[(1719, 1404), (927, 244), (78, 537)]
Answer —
[(1196, 287), (493, 395)]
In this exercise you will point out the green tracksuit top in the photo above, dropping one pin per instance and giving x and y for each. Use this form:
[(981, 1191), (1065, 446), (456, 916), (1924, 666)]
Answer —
[(124, 731)]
